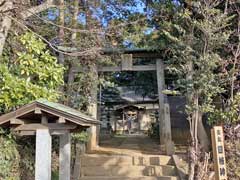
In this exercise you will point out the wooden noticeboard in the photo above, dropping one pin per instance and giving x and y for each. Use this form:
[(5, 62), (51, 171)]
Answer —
[(219, 153)]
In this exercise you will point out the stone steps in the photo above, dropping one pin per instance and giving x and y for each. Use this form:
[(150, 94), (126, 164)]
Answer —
[(130, 178), (129, 171), (110, 160), (126, 167)]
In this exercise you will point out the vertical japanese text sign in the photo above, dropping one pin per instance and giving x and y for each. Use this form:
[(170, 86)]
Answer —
[(218, 153)]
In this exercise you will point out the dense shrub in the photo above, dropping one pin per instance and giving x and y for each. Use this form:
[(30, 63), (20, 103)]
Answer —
[(232, 148), (153, 131), (26, 149), (9, 157)]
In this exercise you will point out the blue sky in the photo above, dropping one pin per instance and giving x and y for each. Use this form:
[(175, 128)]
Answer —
[(139, 8)]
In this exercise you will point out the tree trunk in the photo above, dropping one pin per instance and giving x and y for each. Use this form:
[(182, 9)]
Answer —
[(61, 30), (61, 58), (192, 163), (5, 23), (202, 134), (73, 61), (193, 130), (5, 20), (192, 124), (71, 75), (70, 84), (93, 109), (236, 58)]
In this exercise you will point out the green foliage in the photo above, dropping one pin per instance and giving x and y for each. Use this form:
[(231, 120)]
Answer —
[(153, 131), (31, 74), (35, 74), (79, 91), (82, 137), (37, 65), (55, 175), (232, 148), (26, 149), (195, 39), (195, 42), (17, 91), (9, 157), (228, 115)]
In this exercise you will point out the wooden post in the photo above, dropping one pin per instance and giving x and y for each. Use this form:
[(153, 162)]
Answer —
[(123, 121), (80, 150), (169, 145), (65, 156), (98, 116), (219, 153), (92, 144), (43, 155), (161, 84), (93, 110), (164, 111)]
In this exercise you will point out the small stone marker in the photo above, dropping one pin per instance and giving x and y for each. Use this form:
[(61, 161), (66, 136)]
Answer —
[(219, 153)]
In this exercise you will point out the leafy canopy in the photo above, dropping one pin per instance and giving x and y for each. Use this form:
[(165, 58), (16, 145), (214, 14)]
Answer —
[(34, 74)]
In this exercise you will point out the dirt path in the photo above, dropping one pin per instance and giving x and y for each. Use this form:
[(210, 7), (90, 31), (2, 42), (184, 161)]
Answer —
[(129, 144)]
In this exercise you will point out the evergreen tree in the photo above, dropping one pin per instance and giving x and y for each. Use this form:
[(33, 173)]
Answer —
[(195, 42)]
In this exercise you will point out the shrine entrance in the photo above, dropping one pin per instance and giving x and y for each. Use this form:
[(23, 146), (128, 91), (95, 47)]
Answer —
[(127, 64), (130, 121)]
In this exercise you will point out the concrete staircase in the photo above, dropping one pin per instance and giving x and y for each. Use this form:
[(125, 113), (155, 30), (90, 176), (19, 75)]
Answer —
[(127, 167)]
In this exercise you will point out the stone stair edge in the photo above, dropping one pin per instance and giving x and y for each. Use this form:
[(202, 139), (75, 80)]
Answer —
[(124, 155), (129, 171), (133, 165), (129, 178)]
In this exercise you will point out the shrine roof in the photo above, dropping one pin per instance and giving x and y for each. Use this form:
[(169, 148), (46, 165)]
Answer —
[(51, 108)]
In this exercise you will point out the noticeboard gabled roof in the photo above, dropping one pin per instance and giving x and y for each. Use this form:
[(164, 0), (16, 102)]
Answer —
[(64, 109), (56, 109)]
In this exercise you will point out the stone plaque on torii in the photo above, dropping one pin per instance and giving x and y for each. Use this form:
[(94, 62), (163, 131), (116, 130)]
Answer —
[(43, 119)]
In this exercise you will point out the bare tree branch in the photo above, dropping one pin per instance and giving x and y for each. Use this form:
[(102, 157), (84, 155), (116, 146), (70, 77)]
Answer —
[(87, 52), (37, 9)]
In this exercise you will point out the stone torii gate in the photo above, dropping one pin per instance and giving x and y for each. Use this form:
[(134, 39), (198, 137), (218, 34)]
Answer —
[(164, 111), (43, 119)]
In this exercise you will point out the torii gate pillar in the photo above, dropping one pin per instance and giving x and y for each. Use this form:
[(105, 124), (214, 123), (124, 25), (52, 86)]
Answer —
[(93, 110), (164, 111)]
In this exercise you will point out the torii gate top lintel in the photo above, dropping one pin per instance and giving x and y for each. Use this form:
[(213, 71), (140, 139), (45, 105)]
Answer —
[(127, 64)]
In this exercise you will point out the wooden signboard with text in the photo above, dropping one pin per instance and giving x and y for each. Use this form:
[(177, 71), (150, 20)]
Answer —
[(219, 153)]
